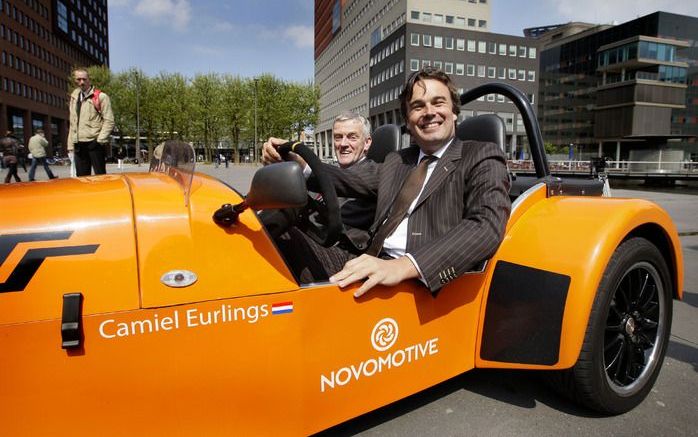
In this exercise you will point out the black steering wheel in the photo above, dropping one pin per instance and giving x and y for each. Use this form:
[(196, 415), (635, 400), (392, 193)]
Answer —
[(327, 229)]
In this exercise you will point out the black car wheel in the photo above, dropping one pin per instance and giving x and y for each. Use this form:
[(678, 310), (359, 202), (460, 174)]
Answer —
[(627, 333)]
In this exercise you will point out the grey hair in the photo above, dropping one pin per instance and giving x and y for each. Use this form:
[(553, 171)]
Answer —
[(351, 115)]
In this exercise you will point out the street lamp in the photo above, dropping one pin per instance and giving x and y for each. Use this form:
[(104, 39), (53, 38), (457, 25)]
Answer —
[(254, 148)]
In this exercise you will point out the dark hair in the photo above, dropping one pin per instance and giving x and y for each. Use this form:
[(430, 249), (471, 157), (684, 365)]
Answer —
[(39, 131), (420, 75)]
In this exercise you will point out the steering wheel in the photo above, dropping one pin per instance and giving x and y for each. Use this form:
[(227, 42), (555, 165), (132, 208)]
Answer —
[(327, 233)]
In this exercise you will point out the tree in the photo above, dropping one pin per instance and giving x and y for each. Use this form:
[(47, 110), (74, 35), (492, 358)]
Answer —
[(236, 106), (206, 110)]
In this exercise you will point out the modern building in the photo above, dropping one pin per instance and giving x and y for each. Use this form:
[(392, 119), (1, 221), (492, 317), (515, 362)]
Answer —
[(625, 91), (347, 32), (470, 57), (41, 42)]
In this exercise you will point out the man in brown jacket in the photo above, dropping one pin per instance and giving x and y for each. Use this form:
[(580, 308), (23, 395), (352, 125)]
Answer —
[(91, 123)]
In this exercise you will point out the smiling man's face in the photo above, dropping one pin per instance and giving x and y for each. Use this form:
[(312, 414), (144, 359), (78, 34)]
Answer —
[(350, 142), (430, 117)]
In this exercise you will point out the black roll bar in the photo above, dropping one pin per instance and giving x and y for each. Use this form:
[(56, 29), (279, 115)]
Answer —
[(535, 139)]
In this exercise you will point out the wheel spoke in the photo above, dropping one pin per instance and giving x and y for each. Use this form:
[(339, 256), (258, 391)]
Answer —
[(613, 364)]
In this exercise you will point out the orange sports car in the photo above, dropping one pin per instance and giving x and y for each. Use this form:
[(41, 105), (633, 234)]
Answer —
[(137, 303)]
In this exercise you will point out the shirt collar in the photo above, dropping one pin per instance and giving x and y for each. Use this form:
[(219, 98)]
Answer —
[(438, 154)]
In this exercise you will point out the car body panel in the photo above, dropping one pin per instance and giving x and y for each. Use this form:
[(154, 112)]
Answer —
[(559, 235), (245, 349), (57, 216)]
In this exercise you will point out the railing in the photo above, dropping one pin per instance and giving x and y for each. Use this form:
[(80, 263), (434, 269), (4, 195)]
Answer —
[(615, 167)]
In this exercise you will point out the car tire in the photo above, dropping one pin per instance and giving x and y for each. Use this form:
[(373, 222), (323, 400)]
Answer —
[(627, 333)]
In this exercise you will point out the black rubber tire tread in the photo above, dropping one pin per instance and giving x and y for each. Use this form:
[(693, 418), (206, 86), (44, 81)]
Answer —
[(585, 383)]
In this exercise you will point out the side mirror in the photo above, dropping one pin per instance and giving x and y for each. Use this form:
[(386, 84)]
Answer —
[(275, 186)]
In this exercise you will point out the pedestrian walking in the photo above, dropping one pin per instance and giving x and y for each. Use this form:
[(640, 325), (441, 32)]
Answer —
[(91, 123), (9, 146), (37, 147), (22, 157)]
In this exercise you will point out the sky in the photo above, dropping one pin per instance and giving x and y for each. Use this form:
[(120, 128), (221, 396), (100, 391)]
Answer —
[(252, 37)]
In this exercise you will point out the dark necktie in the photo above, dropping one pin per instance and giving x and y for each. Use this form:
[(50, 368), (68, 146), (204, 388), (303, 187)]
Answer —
[(408, 192)]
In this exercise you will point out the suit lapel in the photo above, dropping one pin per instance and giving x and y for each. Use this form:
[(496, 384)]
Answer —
[(446, 164)]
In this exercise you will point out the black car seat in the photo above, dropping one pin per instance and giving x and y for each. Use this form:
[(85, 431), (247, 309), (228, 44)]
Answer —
[(486, 127), (386, 139)]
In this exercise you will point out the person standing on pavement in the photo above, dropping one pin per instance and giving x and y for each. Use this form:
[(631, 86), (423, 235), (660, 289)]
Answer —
[(37, 147), (9, 146), (91, 123)]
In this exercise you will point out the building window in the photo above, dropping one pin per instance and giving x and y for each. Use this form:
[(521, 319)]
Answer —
[(460, 21), (512, 50), (426, 63), (438, 42), (502, 73), (503, 49), (471, 70), (481, 47), (482, 24), (531, 75), (500, 98), (471, 22), (491, 97), (459, 69), (471, 45), (449, 43), (532, 52), (437, 64), (480, 71), (460, 44), (522, 51), (426, 40), (522, 74), (438, 18), (512, 73), (414, 15), (426, 17), (491, 72), (414, 39), (492, 48), (449, 19), (414, 64), (449, 68)]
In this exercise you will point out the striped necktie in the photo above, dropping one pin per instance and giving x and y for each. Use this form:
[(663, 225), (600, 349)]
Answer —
[(408, 192)]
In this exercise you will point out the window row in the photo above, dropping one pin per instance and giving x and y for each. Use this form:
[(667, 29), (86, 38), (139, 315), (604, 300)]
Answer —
[(32, 70), (392, 71), (476, 70), (30, 47), (491, 47), (339, 39), (388, 50), (22, 90), (454, 20), (341, 84), (385, 97)]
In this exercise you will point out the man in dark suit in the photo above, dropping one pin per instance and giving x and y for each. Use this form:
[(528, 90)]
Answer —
[(459, 216)]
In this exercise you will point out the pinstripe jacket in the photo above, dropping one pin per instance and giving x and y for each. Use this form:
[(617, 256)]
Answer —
[(460, 218)]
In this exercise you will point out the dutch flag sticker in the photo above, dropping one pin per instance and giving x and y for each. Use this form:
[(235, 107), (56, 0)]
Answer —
[(281, 308)]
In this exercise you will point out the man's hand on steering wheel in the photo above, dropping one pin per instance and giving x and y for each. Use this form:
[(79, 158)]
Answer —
[(327, 233), (270, 154)]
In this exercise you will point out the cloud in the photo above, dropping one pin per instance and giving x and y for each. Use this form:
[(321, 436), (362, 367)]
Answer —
[(302, 36), (177, 12), (119, 3), (222, 26), (605, 11)]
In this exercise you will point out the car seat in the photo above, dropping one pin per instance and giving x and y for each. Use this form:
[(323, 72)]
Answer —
[(386, 139)]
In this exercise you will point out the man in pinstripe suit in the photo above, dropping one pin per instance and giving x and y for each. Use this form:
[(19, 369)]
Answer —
[(458, 218)]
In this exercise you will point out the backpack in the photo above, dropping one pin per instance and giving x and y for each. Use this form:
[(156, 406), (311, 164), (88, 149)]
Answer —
[(95, 101)]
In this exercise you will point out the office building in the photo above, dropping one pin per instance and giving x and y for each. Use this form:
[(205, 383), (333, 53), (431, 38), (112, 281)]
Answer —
[(471, 58), (42, 41), (347, 32), (623, 91)]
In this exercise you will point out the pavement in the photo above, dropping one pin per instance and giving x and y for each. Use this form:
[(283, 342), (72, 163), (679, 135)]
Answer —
[(516, 403)]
